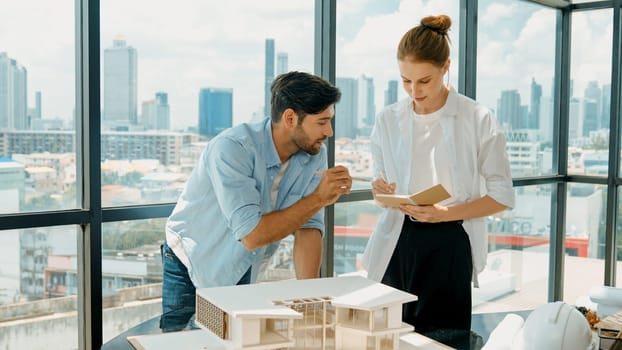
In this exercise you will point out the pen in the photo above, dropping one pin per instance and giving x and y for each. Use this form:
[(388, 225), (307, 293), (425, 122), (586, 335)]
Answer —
[(354, 178)]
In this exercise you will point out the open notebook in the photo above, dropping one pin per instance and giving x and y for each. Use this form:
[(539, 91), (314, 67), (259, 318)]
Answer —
[(428, 196)]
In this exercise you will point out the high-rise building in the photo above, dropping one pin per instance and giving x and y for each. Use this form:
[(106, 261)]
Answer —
[(38, 112), (605, 106), (269, 75), (390, 94), (575, 120), (13, 94), (594, 95), (10, 262), (546, 120), (346, 111), (367, 107), (166, 147), (33, 248), (215, 110), (281, 63), (120, 84), (522, 147), (156, 113), (34, 121), (509, 110), (590, 116), (536, 98)]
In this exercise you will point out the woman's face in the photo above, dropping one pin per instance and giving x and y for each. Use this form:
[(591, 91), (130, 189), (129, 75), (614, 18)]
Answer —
[(423, 81)]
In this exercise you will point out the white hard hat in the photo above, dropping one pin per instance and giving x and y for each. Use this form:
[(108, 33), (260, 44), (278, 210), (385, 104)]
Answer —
[(555, 326)]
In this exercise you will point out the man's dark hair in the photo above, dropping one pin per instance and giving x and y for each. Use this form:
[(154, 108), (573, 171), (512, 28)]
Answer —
[(303, 92)]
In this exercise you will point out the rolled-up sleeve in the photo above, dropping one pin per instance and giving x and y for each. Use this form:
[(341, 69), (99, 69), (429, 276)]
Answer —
[(493, 162), (230, 165), (317, 222)]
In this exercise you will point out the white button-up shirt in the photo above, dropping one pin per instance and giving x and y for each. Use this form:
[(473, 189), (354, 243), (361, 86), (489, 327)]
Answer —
[(478, 164)]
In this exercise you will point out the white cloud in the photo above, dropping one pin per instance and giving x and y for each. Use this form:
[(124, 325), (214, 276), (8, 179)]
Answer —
[(192, 44), (349, 7), (181, 48), (496, 12), (373, 49), (510, 61), (40, 36), (591, 48), (208, 44)]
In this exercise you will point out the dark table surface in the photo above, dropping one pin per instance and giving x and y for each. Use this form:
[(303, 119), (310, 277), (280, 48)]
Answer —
[(481, 327)]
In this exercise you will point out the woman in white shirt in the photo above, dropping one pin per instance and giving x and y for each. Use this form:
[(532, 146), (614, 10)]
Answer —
[(435, 136)]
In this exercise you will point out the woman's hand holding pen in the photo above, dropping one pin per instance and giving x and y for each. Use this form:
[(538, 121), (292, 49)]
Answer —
[(381, 185)]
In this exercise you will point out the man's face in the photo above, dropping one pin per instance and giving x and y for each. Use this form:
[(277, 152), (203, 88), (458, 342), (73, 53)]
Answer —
[(314, 130)]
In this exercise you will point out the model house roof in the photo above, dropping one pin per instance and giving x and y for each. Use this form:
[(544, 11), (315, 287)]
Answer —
[(258, 300)]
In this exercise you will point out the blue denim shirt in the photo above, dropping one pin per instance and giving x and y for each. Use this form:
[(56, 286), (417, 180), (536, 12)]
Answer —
[(225, 197)]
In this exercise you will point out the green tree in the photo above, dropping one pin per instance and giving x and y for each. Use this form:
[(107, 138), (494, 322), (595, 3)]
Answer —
[(45, 202), (599, 142), (110, 178), (133, 234), (132, 178)]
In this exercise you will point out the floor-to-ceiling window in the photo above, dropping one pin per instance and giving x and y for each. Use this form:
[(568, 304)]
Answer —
[(515, 76), (588, 148), (171, 76), (367, 35), (38, 171)]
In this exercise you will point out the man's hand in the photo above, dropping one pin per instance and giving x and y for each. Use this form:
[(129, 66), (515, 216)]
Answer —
[(335, 182), (278, 224)]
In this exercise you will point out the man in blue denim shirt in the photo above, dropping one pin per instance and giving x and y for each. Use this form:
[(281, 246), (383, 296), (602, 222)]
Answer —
[(254, 185)]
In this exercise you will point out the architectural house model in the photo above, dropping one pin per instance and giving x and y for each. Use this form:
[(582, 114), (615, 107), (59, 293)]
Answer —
[(327, 313)]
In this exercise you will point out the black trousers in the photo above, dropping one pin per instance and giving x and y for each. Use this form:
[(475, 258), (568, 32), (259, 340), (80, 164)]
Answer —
[(434, 262)]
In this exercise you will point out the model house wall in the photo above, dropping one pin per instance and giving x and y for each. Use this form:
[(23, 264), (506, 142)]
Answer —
[(328, 313)]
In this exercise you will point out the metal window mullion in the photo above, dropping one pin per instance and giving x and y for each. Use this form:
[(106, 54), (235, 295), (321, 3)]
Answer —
[(138, 212), (614, 151), (561, 100), (467, 54), (593, 5), (89, 174), (43, 219), (552, 3), (325, 52)]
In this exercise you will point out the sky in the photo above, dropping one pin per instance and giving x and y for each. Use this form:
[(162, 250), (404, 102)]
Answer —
[(197, 44)]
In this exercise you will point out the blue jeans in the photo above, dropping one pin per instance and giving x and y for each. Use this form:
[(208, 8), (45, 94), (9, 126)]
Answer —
[(179, 293)]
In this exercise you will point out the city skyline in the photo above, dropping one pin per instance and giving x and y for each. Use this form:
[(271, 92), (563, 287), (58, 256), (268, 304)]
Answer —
[(174, 61), (591, 115)]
